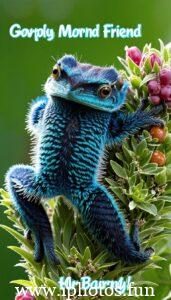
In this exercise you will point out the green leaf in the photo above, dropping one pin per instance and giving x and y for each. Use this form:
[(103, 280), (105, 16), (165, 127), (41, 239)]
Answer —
[(74, 270), (141, 147), (145, 158), (4, 194), (156, 68), (62, 209), (111, 182), (27, 256), (57, 230), (166, 54), (107, 265), (25, 283), (147, 65), (134, 143), (135, 81), (129, 155), (67, 231), (146, 48), (18, 236), (148, 207), (164, 198), (145, 282), (89, 241), (101, 258), (168, 173), (80, 242), (150, 169), (119, 156), (168, 158), (75, 252), (157, 239), (118, 169), (150, 231), (148, 77), (158, 258), (161, 177), (133, 67), (51, 283), (86, 256), (125, 65), (132, 180), (119, 192), (116, 272), (62, 254), (161, 45), (6, 203)]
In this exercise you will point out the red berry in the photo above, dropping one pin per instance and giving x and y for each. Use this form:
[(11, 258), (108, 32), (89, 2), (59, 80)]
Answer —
[(158, 133), (165, 93), (155, 99), (25, 296), (165, 76), (159, 158), (155, 58), (135, 54), (154, 87)]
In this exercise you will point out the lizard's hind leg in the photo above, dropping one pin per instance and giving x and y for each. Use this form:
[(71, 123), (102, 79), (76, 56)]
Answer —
[(103, 220), (26, 194)]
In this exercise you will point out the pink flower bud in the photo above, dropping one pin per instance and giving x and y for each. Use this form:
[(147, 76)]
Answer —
[(135, 54), (166, 93), (165, 76), (25, 296), (155, 100), (155, 58), (154, 87)]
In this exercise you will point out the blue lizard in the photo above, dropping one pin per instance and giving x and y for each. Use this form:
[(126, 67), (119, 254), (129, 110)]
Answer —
[(79, 116)]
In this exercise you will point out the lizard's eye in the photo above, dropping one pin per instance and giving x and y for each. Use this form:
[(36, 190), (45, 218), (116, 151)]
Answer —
[(105, 91), (56, 73)]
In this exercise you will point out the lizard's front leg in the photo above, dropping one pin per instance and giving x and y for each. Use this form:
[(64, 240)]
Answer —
[(26, 192), (35, 114), (122, 125)]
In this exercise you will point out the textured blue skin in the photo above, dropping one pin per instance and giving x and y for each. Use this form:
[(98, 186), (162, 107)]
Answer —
[(74, 125)]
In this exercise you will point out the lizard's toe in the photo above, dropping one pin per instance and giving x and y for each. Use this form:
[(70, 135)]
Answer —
[(158, 122), (149, 250), (156, 110)]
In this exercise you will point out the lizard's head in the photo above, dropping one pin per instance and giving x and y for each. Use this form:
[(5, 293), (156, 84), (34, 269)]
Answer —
[(86, 84)]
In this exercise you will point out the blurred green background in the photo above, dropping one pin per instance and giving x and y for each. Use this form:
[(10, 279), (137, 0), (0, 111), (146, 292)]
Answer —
[(26, 64)]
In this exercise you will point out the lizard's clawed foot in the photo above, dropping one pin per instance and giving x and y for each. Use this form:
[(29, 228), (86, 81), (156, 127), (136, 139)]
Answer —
[(156, 110), (149, 251), (153, 113), (135, 239), (27, 234)]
